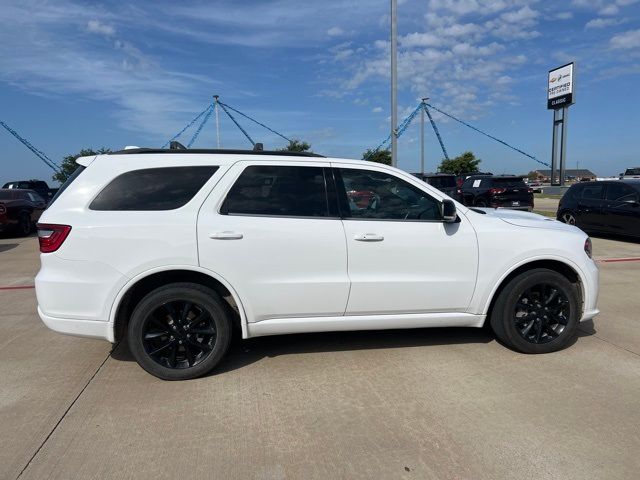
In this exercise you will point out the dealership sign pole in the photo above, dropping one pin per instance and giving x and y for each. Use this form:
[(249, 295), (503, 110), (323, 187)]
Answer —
[(560, 95)]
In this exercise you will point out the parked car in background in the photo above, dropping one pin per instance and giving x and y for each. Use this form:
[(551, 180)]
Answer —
[(461, 177), (497, 192), (611, 206), (38, 186), (19, 210), (178, 249), (445, 182), (631, 173)]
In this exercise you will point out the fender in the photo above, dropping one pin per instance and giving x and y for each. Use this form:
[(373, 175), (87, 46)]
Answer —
[(573, 266), (165, 268)]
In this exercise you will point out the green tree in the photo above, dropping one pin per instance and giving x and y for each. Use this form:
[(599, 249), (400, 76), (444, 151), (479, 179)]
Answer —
[(379, 156), (69, 164), (532, 175), (465, 163), (296, 145)]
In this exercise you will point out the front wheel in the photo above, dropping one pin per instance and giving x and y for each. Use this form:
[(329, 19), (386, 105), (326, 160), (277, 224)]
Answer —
[(537, 312), (179, 331)]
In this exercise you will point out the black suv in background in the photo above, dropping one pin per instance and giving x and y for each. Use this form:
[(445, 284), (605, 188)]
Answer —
[(445, 182), (603, 207), (38, 186), (497, 192)]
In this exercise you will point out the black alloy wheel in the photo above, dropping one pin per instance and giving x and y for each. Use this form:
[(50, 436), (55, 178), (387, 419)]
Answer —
[(568, 218), (537, 311), (180, 331), (179, 334), (541, 313)]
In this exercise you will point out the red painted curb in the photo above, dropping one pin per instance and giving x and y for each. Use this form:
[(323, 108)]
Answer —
[(18, 287), (615, 260)]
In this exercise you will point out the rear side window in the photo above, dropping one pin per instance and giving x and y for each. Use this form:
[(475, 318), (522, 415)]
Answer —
[(278, 191), (593, 192), (153, 189)]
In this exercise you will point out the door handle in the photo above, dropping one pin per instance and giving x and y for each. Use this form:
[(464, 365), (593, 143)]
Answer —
[(226, 236), (368, 237)]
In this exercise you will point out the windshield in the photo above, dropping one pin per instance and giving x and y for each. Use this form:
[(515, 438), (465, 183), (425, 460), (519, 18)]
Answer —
[(442, 182)]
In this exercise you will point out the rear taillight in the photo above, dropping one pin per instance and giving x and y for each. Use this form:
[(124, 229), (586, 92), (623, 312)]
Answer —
[(497, 191), (3, 209), (530, 190), (51, 237), (588, 248)]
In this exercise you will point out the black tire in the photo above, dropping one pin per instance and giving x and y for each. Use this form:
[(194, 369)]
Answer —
[(25, 225), (568, 217), (530, 318), (481, 204), (173, 345)]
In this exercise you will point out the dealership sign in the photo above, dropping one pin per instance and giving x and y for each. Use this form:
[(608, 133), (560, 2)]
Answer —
[(560, 88)]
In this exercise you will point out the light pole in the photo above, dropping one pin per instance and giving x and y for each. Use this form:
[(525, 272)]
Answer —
[(422, 136), (394, 82)]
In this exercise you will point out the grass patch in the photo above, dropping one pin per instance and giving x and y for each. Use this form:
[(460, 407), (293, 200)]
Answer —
[(544, 195)]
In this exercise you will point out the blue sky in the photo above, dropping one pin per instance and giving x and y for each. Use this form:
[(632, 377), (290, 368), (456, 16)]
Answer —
[(76, 75)]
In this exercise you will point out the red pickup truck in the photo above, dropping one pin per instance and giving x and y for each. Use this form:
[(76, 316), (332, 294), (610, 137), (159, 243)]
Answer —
[(20, 210)]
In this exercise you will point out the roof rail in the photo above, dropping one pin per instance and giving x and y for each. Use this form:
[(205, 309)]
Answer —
[(217, 151)]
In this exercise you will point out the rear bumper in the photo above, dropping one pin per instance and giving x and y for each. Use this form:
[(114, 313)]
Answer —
[(79, 328)]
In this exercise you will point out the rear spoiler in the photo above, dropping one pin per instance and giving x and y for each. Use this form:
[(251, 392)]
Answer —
[(85, 161)]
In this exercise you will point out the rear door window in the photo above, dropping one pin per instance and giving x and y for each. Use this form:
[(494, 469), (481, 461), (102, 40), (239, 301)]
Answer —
[(283, 191), (153, 189), (442, 182), (592, 192)]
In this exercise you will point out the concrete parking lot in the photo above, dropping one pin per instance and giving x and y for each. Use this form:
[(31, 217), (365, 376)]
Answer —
[(431, 403)]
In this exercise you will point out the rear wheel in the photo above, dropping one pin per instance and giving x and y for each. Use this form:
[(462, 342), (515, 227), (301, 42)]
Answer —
[(481, 203), (24, 224), (179, 331), (568, 217), (537, 312)]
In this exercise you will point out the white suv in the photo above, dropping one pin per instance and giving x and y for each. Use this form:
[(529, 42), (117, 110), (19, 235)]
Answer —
[(175, 248)]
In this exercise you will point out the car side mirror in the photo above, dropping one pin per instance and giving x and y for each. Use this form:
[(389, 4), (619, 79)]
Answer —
[(449, 214)]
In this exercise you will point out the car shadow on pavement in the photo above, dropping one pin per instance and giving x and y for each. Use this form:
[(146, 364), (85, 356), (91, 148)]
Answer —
[(4, 247), (245, 352)]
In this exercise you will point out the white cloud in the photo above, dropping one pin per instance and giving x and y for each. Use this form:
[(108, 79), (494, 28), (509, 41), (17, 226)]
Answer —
[(601, 23), (609, 10), (335, 32), (626, 40), (95, 26), (376, 109), (563, 16)]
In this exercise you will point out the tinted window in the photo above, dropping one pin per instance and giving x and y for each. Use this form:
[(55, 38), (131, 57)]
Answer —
[(280, 191), (441, 182), (632, 171), (475, 182), (593, 192), (153, 189), (509, 182), (377, 195), (619, 192)]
